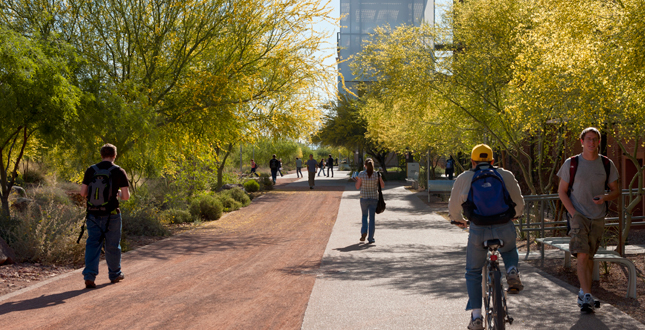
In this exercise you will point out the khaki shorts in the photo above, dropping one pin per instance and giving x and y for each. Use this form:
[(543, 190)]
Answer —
[(585, 235)]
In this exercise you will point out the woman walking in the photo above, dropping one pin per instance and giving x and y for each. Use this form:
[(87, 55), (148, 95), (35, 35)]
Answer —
[(367, 182), (322, 166)]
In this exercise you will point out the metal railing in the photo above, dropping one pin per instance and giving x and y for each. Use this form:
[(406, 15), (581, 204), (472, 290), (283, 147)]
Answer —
[(541, 207)]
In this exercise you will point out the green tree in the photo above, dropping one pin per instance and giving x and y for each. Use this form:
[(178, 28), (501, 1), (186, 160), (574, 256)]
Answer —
[(37, 99), (345, 127)]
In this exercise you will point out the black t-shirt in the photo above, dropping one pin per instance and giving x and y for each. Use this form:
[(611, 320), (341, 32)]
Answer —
[(274, 164), (119, 180), (330, 161)]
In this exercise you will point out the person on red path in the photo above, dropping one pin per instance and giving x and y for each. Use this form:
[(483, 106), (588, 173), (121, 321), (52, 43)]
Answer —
[(254, 167), (586, 206), (105, 225)]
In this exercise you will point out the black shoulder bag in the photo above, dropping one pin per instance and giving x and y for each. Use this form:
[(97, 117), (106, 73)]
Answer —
[(380, 207)]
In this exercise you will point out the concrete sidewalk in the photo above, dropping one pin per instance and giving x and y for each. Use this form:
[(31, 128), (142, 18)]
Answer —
[(413, 277)]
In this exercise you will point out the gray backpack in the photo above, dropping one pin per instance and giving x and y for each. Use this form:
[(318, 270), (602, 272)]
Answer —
[(99, 189)]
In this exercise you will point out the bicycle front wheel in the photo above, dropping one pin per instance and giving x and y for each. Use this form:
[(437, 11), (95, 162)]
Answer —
[(499, 314)]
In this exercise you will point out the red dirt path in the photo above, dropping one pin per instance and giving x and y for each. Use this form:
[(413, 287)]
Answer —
[(253, 269)]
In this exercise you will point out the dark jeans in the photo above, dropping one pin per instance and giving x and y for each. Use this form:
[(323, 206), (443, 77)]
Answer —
[(103, 229), (299, 172), (330, 168)]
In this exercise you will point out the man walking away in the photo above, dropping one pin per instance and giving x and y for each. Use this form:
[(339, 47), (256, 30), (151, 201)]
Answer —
[(101, 184), (299, 167), (450, 167), (274, 165), (490, 198), (584, 179), (330, 166), (312, 167)]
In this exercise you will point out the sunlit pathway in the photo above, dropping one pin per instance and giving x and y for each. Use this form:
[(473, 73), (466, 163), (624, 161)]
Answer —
[(413, 277)]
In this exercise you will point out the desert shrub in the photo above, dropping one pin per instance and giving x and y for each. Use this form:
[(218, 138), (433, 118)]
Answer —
[(266, 182), (177, 216), (206, 207), (46, 234), (33, 176), (228, 202), (141, 220), (45, 195), (251, 186), (239, 195)]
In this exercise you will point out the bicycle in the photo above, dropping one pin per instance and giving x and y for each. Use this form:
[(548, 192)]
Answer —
[(495, 308), (496, 311)]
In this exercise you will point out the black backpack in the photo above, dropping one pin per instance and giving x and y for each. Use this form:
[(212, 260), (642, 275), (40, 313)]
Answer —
[(489, 202), (274, 164), (99, 190)]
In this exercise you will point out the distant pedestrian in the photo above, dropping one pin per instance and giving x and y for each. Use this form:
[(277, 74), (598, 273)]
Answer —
[(450, 167), (330, 166), (254, 168), (321, 165), (103, 185), (280, 168), (336, 161), (299, 167), (312, 166), (274, 165), (367, 181)]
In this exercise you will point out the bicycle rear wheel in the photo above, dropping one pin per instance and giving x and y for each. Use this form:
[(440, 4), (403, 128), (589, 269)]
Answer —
[(499, 314)]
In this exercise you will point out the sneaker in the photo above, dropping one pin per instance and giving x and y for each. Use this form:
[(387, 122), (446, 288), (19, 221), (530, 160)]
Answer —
[(588, 303), (371, 241), (311, 187), (513, 279), (363, 237), (476, 324), (89, 284), (118, 278)]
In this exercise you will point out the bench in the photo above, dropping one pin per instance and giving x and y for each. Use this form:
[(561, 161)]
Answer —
[(562, 243), (439, 187)]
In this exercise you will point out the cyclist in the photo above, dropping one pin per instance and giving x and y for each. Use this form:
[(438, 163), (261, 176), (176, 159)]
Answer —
[(466, 197), (585, 202)]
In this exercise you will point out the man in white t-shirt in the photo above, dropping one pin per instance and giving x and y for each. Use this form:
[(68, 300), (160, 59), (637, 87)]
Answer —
[(585, 202)]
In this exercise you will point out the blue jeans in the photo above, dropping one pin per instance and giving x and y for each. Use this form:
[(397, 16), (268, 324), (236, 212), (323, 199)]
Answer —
[(368, 207), (274, 173), (476, 256), (96, 226), (322, 169)]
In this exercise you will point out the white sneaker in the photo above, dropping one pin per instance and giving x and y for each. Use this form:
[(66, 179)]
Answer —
[(588, 303), (476, 324), (513, 279)]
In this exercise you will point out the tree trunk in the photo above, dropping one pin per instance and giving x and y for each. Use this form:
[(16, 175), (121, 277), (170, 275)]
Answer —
[(5, 206), (220, 167)]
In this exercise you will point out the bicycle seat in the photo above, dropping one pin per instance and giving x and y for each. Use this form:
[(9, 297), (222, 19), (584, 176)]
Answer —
[(494, 243)]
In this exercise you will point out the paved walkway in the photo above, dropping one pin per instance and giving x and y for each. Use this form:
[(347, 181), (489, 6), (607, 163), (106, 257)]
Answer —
[(260, 268), (413, 277)]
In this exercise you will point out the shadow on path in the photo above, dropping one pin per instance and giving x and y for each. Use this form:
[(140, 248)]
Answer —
[(44, 300)]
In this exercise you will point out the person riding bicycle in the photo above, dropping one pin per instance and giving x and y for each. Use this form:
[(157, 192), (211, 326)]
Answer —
[(477, 193)]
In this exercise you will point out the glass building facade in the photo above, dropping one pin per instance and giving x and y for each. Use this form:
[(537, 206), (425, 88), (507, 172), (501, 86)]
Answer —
[(361, 17)]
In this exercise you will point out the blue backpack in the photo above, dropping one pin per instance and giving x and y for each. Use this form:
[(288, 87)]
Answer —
[(488, 203)]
